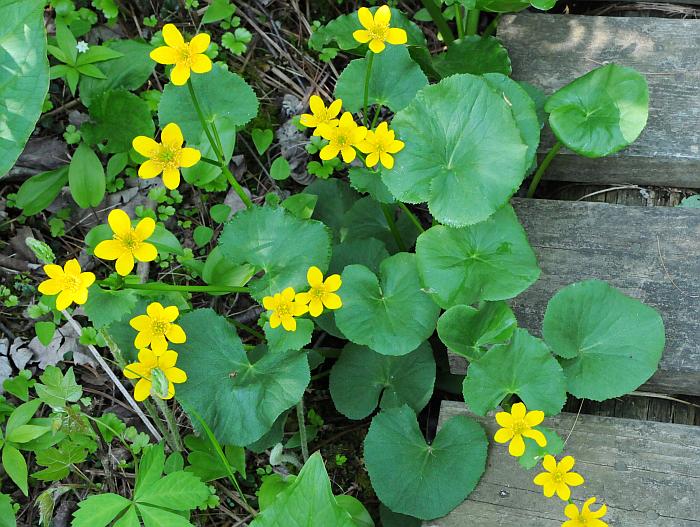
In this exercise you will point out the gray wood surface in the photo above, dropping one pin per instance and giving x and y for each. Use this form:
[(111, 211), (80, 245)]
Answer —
[(550, 51), (648, 474), (650, 253)]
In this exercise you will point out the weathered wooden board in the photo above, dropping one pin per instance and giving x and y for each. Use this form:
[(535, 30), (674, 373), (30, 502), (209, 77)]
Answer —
[(550, 51), (650, 253), (647, 473)]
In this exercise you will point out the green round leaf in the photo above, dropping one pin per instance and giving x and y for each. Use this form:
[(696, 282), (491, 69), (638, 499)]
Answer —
[(369, 252), (464, 154), (390, 314), (365, 180), (502, 6), (525, 367), (225, 98), (609, 343), (425, 481), (367, 219), (473, 54), (280, 340), (277, 242), (335, 198), (238, 400), (24, 75), (361, 379), (218, 270), (466, 331), (280, 169), (601, 112), (491, 260), (394, 81)]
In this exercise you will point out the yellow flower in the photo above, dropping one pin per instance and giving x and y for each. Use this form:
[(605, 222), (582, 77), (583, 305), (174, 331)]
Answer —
[(69, 283), (320, 115), (167, 157), (156, 328), (185, 55), (517, 424), (284, 308), (379, 144), (377, 30), (342, 138), (321, 293), (127, 243), (558, 477), (585, 518), (155, 373)]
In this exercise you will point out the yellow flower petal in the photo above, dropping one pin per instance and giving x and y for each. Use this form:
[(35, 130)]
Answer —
[(332, 283), (365, 17), (308, 120), (167, 359), (315, 307), (518, 411), (332, 301), (109, 249), (299, 309), (53, 271), (573, 479), (275, 320), (176, 334), (549, 489), (566, 464), (64, 299), (503, 435), (549, 463), (72, 267), (125, 263), (145, 146), (329, 152), (80, 296), (165, 55), (170, 313), (150, 169), (269, 303), (395, 147), (145, 252), (563, 491), (201, 64), (387, 160), (119, 222), (314, 276), (348, 154), (172, 135), (571, 511), (199, 43), (516, 447), (504, 419), (172, 36), (171, 178), (136, 370), (87, 279), (180, 74), (142, 390), (372, 159), (289, 323), (334, 108), (542, 478), (144, 228), (534, 417), (143, 338), (50, 287), (396, 35), (155, 310), (316, 105), (382, 16), (538, 436), (140, 323), (288, 294), (300, 298), (158, 344), (362, 36), (189, 157), (176, 375)]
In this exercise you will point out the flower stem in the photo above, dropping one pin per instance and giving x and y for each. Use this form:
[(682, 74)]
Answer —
[(491, 28), (389, 215), (543, 166), (210, 161), (472, 21), (368, 74), (203, 122), (411, 216), (247, 328), (237, 187), (158, 286), (376, 116), (458, 20), (302, 430), (174, 435), (434, 11)]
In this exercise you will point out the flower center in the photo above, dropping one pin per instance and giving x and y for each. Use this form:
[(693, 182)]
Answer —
[(317, 292), (558, 476), (342, 140), (378, 31), (71, 283), (186, 55), (160, 327), (169, 156), (284, 309), (519, 427), (130, 241)]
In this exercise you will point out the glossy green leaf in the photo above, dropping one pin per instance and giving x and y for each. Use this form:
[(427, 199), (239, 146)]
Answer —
[(502, 6), (218, 270), (86, 177), (281, 245), (301, 205), (609, 343), (307, 502), (390, 518), (524, 367), (279, 340), (369, 252), (262, 139), (24, 75), (367, 219), (104, 307), (16, 467), (394, 81), (535, 453), (414, 478), (391, 313), (205, 463), (238, 400), (280, 170), (26, 433), (491, 260), (363, 179), (39, 191), (44, 331), (473, 54), (601, 112), (357, 511), (362, 379), (335, 199), (467, 331), (464, 154), (99, 510)]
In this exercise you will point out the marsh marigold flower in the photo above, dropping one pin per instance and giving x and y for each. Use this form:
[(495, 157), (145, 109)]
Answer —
[(517, 424), (379, 144), (127, 243), (322, 293), (283, 309), (585, 518), (342, 138), (167, 157), (376, 29), (156, 328), (156, 373), (186, 56), (69, 283), (320, 115), (558, 477)]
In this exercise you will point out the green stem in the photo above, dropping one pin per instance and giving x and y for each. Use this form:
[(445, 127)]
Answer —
[(492, 27), (210, 161), (543, 166), (434, 11), (411, 216), (376, 116), (158, 286), (389, 215), (368, 74), (302, 430), (247, 328), (173, 434), (203, 122), (505, 403), (458, 20), (472, 21), (237, 187)]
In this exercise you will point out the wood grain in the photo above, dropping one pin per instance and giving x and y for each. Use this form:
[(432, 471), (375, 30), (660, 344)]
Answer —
[(550, 51), (647, 473), (650, 253)]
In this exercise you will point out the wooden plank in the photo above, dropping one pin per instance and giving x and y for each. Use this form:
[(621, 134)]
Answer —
[(549, 51), (650, 253), (648, 474)]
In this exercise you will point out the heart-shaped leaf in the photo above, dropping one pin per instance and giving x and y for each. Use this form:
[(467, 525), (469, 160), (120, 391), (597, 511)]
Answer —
[(609, 343), (525, 367), (414, 478), (390, 314), (279, 243), (369, 252), (280, 340), (262, 139), (601, 112), (464, 153), (394, 81), (466, 331), (238, 400), (491, 260), (473, 54), (361, 379)]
